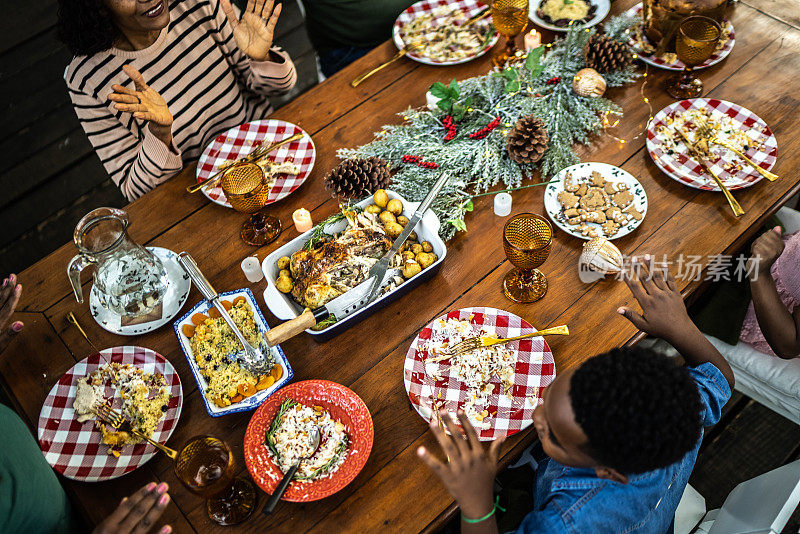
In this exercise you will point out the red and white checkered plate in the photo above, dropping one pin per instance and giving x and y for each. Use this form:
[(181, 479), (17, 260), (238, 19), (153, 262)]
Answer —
[(678, 165), (239, 141), (534, 371), (75, 449), (470, 7), (678, 65)]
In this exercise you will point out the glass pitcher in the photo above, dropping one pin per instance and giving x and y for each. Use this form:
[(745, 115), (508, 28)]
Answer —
[(129, 279)]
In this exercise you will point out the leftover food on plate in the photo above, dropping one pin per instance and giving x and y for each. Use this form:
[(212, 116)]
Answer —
[(442, 34), (481, 371), (329, 265), (724, 127), (640, 41), (144, 397), (213, 343), (596, 206), (562, 12), (288, 440)]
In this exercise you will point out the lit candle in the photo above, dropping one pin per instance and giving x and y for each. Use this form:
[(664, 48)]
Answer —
[(532, 39), (302, 220), (502, 204), (252, 269)]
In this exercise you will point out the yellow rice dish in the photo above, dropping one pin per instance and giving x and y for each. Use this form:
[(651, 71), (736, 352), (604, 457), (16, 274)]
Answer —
[(211, 341)]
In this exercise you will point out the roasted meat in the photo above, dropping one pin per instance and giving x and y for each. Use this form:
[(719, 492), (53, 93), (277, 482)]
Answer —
[(340, 264)]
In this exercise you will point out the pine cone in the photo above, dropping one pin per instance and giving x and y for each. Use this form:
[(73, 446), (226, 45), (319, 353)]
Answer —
[(356, 178), (527, 141), (604, 54)]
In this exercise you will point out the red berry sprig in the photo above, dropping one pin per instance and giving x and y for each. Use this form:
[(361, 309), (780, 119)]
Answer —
[(450, 126), (417, 160), (554, 80), (483, 132)]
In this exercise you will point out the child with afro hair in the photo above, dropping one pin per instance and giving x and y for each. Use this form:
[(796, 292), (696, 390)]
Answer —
[(621, 431)]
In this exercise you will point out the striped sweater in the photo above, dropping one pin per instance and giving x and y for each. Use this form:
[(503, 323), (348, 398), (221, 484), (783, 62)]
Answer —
[(208, 83)]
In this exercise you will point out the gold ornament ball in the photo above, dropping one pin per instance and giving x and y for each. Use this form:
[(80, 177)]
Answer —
[(589, 82)]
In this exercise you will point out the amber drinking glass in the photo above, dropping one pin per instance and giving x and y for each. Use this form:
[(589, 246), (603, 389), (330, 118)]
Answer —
[(205, 466), (510, 18), (260, 228), (695, 42), (527, 239)]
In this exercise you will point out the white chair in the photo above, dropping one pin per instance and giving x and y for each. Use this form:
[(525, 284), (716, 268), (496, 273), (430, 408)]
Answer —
[(761, 505)]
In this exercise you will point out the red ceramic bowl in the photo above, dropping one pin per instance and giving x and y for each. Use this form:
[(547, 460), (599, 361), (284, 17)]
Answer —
[(343, 405)]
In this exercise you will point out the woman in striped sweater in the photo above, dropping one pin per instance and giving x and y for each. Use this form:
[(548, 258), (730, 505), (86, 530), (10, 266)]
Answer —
[(154, 81)]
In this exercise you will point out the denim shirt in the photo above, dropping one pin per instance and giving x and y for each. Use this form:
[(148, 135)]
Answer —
[(573, 500)]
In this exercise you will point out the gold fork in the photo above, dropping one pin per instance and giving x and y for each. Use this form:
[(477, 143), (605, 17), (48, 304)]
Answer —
[(477, 342), (403, 51), (705, 131), (696, 154), (118, 421)]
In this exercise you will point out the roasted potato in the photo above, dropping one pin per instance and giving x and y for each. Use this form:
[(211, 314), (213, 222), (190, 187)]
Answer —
[(411, 268), (416, 248), (373, 208), (283, 263), (284, 284), (395, 206), (285, 272), (380, 198), (386, 217), (413, 236), (427, 247), (402, 220), (425, 259), (408, 255), (393, 229)]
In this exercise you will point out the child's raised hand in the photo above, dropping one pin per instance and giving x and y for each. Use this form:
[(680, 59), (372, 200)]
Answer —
[(765, 250), (470, 470), (663, 311)]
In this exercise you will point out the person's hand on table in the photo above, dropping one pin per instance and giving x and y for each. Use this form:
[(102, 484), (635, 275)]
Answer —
[(469, 472), (255, 30), (138, 513), (765, 250), (145, 103), (9, 297)]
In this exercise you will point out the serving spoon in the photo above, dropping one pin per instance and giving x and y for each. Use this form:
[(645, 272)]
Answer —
[(314, 438)]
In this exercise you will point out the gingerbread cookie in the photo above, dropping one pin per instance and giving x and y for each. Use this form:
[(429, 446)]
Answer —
[(633, 212), (610, 228), (589, 231), (570, 183), (615, 214), (615, 187), (593, 199), (594, 217), (597, 179), (582, 189), (572, 212), (623, 199), (568, 200)]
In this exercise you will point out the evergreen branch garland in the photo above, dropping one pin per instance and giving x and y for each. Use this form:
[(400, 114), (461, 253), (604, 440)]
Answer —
[(542, 87)]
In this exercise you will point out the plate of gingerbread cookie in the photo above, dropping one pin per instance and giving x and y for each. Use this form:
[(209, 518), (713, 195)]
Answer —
[(595, 199)]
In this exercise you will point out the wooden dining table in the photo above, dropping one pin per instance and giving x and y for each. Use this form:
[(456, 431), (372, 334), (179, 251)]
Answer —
[(395, 492)]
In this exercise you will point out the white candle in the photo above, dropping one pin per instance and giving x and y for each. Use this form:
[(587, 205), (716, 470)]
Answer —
[(302, 220), (532, 39), (252, 269), (502, 204)]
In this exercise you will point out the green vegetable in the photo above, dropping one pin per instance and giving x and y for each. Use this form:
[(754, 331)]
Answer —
[(276, 423), (341, 448)]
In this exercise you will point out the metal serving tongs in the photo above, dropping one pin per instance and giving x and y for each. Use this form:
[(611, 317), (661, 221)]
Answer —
[(252, 157), (256, 360)]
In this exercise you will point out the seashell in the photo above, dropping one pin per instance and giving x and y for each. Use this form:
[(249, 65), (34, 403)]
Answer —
[(602, 256), (589, 82)]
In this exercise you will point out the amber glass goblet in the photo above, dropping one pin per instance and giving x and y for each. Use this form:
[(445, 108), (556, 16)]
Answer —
[(695, 42), (205, 466), (527, 239), (510, 18)]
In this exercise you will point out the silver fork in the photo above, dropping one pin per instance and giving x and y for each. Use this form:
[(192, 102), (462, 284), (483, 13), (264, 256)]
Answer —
[(109, 415), (257, 360), (705, 131)]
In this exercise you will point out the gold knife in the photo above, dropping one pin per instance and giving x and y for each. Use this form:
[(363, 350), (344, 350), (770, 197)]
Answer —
[(255, 154), (737, 209)]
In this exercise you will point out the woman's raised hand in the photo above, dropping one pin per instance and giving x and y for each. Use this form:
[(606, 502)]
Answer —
[(255, 30), (145, 103)]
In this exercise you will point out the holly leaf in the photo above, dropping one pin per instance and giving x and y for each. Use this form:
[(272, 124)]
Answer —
[(458, 111), (469, 206), (459, 224), (455, 92), (445, 104), (512, 87), (468, 101), (532, 61), (439, 90)]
